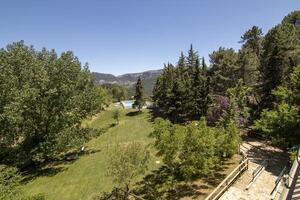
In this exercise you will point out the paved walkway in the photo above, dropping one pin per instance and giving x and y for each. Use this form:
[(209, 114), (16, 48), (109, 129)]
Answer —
[(265, 183)]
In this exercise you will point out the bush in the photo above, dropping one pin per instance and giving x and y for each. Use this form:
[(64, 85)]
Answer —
[(194, 149), (10, 179)]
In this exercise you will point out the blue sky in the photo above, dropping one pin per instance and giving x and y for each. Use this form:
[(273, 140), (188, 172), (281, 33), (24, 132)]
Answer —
[(120, 36)]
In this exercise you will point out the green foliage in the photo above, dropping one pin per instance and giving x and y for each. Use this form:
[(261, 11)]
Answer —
[(224, 70), (281, 53), (127, 162), (139, 99), (116, 92), (252, 39), (43, 96), (168, 140), (199, 153), (116, 115), (119, 92), (182, 92), (282, 124), (10, 189), (200, 87), (228, 140), (237, 111), (103, 97), (9, 183), (195, 149)]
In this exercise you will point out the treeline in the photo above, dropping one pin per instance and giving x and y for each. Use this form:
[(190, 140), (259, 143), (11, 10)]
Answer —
[(117, 92), (191, 90)]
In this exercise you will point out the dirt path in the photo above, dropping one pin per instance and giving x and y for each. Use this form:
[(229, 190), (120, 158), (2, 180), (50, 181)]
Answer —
[(257, 151)]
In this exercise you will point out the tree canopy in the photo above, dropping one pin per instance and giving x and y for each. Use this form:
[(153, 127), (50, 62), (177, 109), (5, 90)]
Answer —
[(44, 98)]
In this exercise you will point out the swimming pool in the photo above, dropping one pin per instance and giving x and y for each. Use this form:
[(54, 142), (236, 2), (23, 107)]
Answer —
[(127, 104)]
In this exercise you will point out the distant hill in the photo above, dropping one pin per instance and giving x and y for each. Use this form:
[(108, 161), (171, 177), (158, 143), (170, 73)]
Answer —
[(148, 77)]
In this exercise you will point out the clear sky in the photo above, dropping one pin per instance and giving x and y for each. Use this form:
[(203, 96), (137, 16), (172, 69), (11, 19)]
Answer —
[(120, 36)]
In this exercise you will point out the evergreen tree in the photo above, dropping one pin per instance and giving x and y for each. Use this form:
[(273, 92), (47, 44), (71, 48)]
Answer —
[(282, 124), (249, 55), (281, 54), (176, 108), (191, 59), (252, 39), (204, 66), (181, 92), (201, 91), (163, 87), (139, 95), (224, 70)]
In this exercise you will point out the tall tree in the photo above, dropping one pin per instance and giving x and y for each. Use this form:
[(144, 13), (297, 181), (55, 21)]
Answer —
[(200, 91), (252, 39), (282, 124), (163, 87), (44, 99), (139, 95), (224, 70), (249, 55), (281, 54)]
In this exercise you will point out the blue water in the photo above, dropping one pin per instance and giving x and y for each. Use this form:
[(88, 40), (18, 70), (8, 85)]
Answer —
[(127, 104)]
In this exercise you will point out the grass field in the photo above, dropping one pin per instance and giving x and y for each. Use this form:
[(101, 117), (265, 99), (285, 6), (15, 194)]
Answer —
[(86, 176)]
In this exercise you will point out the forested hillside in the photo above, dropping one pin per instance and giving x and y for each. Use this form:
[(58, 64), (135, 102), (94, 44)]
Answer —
[(128, 80)]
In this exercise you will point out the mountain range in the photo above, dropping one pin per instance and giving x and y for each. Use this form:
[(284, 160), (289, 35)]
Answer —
[(129, 79)]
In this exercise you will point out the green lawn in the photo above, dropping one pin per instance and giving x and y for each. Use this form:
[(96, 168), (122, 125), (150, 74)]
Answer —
[(86, 176)]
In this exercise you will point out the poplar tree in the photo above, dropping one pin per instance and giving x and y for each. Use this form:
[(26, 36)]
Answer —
[(139, 95)]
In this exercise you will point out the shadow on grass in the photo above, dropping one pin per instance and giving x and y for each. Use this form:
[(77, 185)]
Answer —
[(51, 168), (133, 113), (33, 173), (162, 184)]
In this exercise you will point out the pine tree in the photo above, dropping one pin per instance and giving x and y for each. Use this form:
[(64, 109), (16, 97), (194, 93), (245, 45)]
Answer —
[(192, 59), (198, 88), (204, 66), (224, 70), (252, 39), (139, 95), (281, 54), (200, 91), (163, 87), (249, 55), (176, 108)]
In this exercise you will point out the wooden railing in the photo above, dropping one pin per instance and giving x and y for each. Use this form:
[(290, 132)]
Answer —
[(224, 185), (278, 183), (256, 173), (290, 178), (293, 170)]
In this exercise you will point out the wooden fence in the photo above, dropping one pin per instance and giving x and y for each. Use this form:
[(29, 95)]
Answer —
[(224, 185), (256, 173)]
